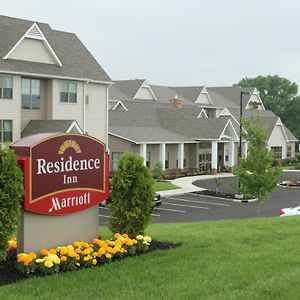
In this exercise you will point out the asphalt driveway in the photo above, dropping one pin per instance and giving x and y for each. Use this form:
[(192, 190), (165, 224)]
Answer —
[(192, 207)]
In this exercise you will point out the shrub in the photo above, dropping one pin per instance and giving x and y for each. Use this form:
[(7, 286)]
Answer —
[(158, 172), (11, 192), (132, 196)]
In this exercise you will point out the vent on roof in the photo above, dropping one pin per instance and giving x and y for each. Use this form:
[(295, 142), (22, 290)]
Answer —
[(34, 33)]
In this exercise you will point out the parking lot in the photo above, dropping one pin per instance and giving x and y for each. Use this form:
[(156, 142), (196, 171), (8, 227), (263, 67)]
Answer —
[(187, 208), (192, 207)]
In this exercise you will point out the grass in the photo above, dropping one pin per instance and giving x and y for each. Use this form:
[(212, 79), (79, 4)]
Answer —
[(164, 186), (238, 259)]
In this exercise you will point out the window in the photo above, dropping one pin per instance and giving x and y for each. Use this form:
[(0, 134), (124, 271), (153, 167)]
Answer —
[(167, 160), (148, 160), (68, 91), (31, 93), (289, 151), (277, 152), (6, 130), (6, 87), (115, 157)]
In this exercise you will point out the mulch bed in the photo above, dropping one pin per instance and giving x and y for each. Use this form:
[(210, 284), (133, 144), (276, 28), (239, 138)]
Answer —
[(9, 273), (213, 193)]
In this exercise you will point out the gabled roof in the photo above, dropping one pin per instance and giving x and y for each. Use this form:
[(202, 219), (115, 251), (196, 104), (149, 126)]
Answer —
[(77, 62), (190, 93), (45, 126), (233, 94), (128, 87)]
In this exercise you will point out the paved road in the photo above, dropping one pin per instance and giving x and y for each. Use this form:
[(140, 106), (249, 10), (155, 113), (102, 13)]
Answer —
[(191, 207)]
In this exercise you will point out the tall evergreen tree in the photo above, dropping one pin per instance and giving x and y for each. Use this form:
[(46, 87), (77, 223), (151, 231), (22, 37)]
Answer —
[(132, 196)]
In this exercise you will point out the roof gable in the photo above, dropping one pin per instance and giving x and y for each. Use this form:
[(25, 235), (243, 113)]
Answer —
[(204, 98), (31, 43)]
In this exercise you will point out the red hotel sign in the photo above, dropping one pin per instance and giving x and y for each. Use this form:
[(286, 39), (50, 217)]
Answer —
[(63, 173)]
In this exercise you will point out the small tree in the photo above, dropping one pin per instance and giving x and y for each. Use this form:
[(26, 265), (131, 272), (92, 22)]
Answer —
[(11, 192), (132, 196), (158, 172), (218, 182), (256, 174)]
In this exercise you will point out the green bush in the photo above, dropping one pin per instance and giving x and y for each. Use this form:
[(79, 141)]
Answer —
[(11, 192), (132, 196), (158, 172)]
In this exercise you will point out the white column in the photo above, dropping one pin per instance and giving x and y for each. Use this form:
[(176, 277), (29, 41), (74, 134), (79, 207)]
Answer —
[(143, 152), (214, 156), (231, 153), (180, 155), (245, 149), (162, 155)]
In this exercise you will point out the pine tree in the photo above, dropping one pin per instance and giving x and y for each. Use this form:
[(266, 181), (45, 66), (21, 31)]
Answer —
[(11, 192), (132, 196)]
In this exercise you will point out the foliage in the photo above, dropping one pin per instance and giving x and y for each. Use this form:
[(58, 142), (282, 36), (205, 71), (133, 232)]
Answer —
[(158, 172), (256, 174), (11, 192), (218, 182), (81, 254), (132, 196)]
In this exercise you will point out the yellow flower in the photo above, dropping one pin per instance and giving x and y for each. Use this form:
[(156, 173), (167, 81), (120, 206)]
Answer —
[(48, 264), (21, 257), (108, 255), (32, 255), (63, 259), (63, 250), (52, 251), (78, 250), (86, 258), (147, 239), (94, 261), (139, 237), (39, 260), (44, 252), (70, 248)]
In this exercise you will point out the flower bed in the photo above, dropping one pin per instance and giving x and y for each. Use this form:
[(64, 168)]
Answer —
[(73, 257)]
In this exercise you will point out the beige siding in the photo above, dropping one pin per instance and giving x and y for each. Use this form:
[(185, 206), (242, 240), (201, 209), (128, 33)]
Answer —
[(278, 139), (116, 144), (203, 99), (191, 155), (35, 114), (154, 155), (67, 111), (10, 109), (96, 111), (32, 50), (173, 153), (49, 99), (144, 93)]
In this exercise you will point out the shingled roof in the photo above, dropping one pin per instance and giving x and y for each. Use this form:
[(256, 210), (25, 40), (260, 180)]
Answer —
[(45, 126), (77, 61)]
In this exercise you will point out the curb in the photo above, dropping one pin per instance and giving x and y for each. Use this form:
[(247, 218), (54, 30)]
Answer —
[(245, 201)]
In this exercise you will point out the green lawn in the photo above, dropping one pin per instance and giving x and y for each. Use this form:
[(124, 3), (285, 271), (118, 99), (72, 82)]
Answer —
[(164, 186), (239, 259)]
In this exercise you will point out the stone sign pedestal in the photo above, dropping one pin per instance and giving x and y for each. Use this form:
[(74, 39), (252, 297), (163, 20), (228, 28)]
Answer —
[(36, 232)]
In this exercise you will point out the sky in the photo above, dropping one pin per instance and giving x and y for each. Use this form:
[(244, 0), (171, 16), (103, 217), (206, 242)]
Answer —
[(179, 42)]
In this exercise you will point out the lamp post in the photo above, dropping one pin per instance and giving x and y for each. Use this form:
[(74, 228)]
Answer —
[(241, 127)]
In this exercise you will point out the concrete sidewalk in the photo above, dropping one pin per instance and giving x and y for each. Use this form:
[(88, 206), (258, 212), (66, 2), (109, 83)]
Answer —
[(186, 184)]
